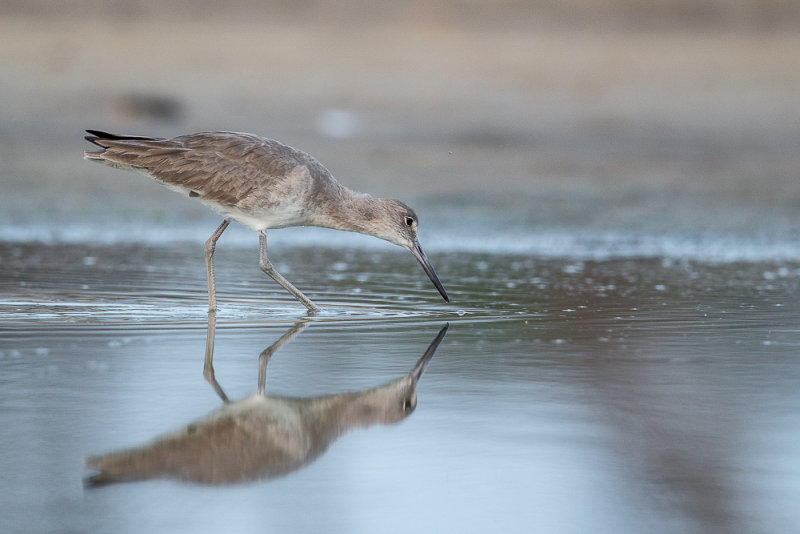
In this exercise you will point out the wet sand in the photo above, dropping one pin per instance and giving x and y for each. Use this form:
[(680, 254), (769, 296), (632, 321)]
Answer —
[(609, 198)]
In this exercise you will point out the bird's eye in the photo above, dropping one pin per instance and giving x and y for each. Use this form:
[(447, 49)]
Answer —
[(409, 221)]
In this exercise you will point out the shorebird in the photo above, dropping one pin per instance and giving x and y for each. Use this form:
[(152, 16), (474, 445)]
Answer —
[(262, 184), (261, 437)]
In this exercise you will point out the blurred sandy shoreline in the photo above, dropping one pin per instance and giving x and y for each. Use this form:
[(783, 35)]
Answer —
[(552, 118), (617, 14)]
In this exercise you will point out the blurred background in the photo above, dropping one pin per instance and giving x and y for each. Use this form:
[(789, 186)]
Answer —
[(655, 127)]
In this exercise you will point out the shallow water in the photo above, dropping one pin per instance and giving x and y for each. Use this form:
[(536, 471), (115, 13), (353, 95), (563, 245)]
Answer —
[(636, 395)]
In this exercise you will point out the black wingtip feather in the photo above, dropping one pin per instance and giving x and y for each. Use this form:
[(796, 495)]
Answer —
[(99, 134), (105, 135)]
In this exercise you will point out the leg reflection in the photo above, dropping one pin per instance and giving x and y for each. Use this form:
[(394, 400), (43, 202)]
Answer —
[(208, 365), (267, 353), (263, 358)]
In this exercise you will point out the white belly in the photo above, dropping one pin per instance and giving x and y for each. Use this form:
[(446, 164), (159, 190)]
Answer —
[(277, 216)]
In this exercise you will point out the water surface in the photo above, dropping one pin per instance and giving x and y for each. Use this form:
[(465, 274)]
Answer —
[(626, 394)]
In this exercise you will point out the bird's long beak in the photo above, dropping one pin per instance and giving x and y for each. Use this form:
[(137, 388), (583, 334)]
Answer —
[(423, 260), (419, 368)]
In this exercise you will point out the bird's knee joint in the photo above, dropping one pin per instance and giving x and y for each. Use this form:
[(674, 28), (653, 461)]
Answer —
[(266, 266), (208, 373)]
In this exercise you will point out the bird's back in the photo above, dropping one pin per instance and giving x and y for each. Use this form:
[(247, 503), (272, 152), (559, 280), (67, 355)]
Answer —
[(258, 437), (260, 182)]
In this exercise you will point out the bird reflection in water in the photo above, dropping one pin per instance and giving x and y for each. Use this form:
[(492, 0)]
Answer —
[(261, 436)]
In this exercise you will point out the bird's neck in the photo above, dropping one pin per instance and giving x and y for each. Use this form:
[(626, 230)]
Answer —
[(350, 211), (333, 415)]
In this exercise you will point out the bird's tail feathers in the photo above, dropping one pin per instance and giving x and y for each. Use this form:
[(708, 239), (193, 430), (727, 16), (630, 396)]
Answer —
[(98, 137), (107, 474)]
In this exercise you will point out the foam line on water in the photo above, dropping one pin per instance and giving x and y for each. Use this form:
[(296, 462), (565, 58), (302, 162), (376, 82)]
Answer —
[(546, 242)]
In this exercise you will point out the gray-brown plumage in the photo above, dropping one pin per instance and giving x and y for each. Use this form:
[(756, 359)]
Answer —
[(262, 437), (261, 184)]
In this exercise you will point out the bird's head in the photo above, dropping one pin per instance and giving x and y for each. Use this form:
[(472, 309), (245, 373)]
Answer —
[(398, 224), (396, 400)]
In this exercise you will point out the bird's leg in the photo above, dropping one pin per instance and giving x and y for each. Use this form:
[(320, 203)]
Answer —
[(208, 366), (267, 267), (267, 353), (210, 245)]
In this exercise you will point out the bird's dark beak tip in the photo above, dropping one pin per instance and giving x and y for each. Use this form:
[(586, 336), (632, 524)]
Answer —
[(416, 250)]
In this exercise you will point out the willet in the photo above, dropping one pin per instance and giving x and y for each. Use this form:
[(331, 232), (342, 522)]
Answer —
[(262, 184), (261, 436)]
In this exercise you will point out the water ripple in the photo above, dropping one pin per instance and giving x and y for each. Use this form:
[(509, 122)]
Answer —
[(232, 311)]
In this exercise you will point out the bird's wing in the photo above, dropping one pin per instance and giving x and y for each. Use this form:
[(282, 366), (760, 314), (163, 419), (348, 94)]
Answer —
[(223, 450), (222, 167)]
